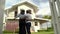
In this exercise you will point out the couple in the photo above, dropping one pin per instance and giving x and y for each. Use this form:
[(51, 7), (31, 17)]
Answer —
[(24, 22)]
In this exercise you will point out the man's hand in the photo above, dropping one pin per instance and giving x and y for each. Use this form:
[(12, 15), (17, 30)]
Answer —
[(15, 17)]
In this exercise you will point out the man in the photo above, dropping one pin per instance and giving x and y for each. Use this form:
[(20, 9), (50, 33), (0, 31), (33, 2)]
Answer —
[(22, 22)]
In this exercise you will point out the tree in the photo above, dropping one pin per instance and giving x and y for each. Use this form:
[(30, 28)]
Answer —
[(47, 17)]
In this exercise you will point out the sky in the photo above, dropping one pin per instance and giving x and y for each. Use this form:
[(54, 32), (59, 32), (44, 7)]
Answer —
[(44, 8)]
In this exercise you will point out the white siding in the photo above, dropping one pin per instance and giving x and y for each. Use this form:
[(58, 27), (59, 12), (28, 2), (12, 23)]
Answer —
[(10, 15)]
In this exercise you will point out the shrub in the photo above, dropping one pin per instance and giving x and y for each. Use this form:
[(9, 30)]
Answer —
[(48, 30)]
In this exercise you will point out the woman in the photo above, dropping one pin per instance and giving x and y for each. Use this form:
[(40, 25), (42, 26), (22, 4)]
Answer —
[(28, 21)]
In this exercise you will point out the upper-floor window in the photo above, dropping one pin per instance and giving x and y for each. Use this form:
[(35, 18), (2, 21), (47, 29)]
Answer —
[(22, 11), (28, 11), (15, 13)]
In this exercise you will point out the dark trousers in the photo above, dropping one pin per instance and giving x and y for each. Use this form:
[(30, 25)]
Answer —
[(22, 24), (28, 25)]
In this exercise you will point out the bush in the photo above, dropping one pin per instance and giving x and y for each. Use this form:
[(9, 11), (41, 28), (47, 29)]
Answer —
[(48, 30), (41, 30)]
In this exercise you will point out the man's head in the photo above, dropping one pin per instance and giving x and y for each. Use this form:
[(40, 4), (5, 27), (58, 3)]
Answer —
[(22, 12)]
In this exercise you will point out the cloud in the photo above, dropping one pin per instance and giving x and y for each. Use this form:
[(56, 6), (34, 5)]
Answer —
[(44, 11), (36, 2), (43, 1), (43, 5), (10, 2)]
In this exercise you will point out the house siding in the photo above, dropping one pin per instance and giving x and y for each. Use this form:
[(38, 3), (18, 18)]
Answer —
[(12, 25)]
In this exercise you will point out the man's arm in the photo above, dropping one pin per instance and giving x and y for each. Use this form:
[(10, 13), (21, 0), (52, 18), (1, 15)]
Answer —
[(16, 16)]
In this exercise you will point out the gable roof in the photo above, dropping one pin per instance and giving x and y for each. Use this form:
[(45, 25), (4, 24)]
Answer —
[(23, 2)]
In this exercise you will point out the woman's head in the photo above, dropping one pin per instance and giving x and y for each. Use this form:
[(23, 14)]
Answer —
[(29, 11)]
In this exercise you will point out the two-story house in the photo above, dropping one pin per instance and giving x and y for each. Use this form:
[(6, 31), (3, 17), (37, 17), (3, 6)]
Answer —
[(25, 6)]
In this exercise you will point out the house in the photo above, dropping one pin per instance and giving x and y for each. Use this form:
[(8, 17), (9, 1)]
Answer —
[(11, 12)]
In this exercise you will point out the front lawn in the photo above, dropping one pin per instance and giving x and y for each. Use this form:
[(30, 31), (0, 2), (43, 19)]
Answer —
[(49, 31), (37, 33), (43, 32)]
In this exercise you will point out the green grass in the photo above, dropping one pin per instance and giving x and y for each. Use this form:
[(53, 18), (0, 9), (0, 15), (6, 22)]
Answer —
[(49, 31), (37, 33), (10, 33), (43, 33)]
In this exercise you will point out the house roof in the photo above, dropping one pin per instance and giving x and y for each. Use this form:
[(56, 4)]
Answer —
[(42, 20), (23, 2)]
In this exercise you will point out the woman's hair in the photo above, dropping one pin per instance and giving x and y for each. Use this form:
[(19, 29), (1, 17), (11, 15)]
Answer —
[(29, 11)]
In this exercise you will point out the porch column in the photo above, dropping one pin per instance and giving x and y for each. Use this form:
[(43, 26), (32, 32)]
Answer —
[(54, 16), (58, 6), (2, 5)]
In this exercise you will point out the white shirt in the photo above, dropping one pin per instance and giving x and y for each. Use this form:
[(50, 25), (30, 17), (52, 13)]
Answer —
[(29, 17)]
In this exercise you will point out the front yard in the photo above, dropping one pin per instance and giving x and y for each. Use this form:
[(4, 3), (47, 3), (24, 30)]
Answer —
[(36, 33), (44, 33), (49, 31)]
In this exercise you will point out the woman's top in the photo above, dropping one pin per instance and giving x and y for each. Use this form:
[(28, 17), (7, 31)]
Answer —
[(29, 17)]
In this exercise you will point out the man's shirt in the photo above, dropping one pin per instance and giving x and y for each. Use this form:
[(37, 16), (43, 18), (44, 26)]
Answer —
[(21, 16)]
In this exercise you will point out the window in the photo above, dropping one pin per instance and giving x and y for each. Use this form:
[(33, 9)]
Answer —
[(36, 24), (15, 13), (28, 11), (22, 11)]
